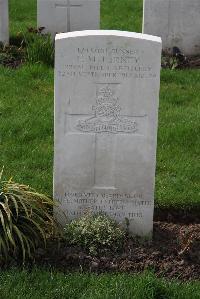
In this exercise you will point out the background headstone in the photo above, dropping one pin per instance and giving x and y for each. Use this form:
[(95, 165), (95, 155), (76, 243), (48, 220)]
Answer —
[(68, 15), (177, 22), (106, 105), (4, 26)]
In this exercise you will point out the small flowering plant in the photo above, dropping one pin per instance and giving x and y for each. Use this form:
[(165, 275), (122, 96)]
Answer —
[(95, 233)]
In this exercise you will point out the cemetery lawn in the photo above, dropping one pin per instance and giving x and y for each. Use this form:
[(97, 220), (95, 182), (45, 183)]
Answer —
[(22, 15), (50, 285), (115, 14), (26, 147), (26, 112), (27, 103)]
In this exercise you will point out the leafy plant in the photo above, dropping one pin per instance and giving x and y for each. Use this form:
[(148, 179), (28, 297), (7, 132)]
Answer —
[(31, 46), (25, 219), (175, 61), (169, 62), (95, 233), (39, 47)]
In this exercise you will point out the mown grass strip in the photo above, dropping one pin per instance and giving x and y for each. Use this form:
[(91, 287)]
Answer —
[(43, 284)]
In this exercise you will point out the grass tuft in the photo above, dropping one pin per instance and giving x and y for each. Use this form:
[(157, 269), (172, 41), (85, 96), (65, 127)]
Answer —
[(39, 48)]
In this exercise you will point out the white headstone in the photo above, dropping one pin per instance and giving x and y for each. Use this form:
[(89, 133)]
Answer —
[(4, 27), (106, 106), (68, 15), (177, 22)]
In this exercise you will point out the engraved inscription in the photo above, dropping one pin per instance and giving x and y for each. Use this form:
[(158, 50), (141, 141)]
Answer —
[(116, 205), (107, 115), (108, 63), (116, 215)]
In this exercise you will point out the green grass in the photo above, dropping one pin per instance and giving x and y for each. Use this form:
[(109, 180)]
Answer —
[(43, 284), (26, 125), (115, 14), (27, 132), (26, 114), (22, 14), (122, 15), (178, 168)]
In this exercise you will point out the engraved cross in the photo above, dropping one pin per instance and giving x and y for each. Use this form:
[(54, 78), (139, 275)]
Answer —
[(68, 6), (105, 124)]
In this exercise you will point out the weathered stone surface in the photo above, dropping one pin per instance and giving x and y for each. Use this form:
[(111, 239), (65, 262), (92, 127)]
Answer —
[(68, 15), (106, 105), (177, 22), (4, 27)]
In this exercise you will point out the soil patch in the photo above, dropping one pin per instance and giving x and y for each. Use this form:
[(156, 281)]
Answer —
[(173, 253), (181, 216)]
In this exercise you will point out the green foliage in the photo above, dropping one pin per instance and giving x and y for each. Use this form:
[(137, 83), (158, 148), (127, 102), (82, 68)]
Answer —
[(25, 219), (95, 233), (31, 46), (22, 15), (122, 15), (170, 62), (39, 48), (40, 283)]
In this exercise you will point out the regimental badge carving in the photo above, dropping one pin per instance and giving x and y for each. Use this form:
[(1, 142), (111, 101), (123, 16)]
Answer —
[(107, 116)]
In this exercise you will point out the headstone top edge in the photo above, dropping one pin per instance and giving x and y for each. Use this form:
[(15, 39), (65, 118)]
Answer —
[(119, 33)]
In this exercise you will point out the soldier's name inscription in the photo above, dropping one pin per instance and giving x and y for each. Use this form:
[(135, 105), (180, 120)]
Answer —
[(119, 63)]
